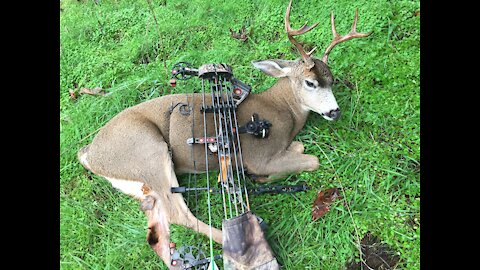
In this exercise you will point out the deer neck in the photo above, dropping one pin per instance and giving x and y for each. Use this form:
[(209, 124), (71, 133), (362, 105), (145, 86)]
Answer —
[(283, 96)]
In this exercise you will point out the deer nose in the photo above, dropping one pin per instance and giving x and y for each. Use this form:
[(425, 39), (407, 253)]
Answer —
[(334, 114)]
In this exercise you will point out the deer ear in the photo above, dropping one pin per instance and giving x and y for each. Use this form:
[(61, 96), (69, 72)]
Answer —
[(274, 68)]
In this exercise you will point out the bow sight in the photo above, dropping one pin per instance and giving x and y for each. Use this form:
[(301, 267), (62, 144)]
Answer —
[(256, 127)]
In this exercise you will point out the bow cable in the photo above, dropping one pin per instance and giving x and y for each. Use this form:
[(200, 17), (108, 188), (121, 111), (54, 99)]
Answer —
[(220, 146), (227, 154), (193, 160), (208, 178), (240, 152), (231, 103)]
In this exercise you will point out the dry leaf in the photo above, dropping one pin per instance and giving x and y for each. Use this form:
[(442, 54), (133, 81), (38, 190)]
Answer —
[(94, 91), (241, 34), (72, 94), (322, 202)]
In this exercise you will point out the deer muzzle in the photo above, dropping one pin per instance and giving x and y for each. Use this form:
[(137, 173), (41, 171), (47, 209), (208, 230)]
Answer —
[(332, 114)]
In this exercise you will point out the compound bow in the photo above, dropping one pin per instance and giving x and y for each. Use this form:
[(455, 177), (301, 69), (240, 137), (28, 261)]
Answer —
[(244, 245)]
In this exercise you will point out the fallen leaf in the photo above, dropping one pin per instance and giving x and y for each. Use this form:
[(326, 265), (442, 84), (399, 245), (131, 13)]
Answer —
[(241, 34), (322, 202), (94, 91), (72, 94)]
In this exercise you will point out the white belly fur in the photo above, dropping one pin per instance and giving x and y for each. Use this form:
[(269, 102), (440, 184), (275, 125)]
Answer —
[(132, 188)]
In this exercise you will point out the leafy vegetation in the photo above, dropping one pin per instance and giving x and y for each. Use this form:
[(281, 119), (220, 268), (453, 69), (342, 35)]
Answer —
[(372, 153)]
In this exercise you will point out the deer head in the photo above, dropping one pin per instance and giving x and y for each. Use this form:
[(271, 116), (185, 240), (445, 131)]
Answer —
[(310, 78)]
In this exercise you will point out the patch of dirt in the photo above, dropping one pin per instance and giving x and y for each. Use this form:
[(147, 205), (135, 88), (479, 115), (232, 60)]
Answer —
[(376, 255)]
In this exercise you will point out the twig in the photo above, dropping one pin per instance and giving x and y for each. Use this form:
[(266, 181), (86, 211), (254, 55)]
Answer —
[(149, 3), (359, 245), (81, 140), (100, 24), (388, 265)]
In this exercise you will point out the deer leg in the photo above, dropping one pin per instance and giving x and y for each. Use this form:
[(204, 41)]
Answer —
[(287, 163), (296, 147), (180, 213), (158, 232), (187, 219), (137, 161), (175, 206)]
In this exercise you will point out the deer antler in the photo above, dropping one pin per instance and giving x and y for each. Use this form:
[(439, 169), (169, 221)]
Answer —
[(307, 59), (338, 39)]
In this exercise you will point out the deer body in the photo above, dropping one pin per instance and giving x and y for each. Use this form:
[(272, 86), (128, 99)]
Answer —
[(278, 105), (142, 149)]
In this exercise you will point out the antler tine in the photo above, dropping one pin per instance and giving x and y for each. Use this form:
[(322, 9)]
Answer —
[(338, 38), (311, 51), (295, 32)]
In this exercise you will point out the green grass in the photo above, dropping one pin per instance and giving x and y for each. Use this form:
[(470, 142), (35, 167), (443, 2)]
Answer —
[(373, 151)]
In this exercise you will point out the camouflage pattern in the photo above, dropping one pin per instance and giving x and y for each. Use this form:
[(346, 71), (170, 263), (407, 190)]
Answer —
[(245, 246), (209, 70)]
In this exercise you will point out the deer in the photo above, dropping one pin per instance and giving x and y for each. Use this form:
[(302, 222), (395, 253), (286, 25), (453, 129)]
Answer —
[(142, 149)]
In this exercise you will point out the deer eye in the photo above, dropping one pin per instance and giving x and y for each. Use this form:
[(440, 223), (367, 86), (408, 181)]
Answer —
[(310, 85)]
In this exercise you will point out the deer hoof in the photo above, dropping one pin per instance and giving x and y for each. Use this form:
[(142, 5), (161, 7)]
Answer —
[(147, 204)]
